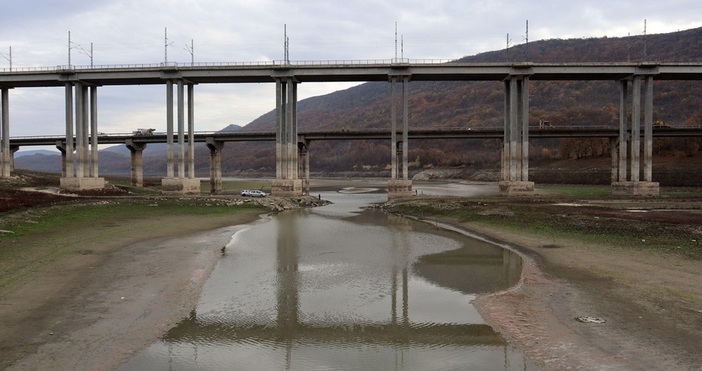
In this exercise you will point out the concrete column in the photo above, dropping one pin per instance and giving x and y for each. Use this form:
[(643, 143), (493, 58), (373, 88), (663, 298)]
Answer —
[(524, 114), (181, 130), (280, 128), (191, 131), (68, 169), (61, 146), (648, 130), (506, 133), (636, 130), (78, 177), (303, 163), (80, 164), (614, 150), (399, 187), (307, 170), (169, 129), (5, 133), (287, 182), (179, 184), (291, 121), (633, 186), (215, 165), (137, 161), (515, 148), (623, 130), (13, 150), (393, 128), (405, 128), (94, 131), (513, 117), (86, 131)]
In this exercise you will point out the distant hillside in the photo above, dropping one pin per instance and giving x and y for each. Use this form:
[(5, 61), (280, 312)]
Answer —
[(477, 104)]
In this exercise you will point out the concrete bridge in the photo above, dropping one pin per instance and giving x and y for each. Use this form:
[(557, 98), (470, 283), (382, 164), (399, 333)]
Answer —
[(137, 144), (81, 85)]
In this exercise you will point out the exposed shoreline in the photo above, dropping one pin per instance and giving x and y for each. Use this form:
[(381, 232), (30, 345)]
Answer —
[(97, 308), (651, 304)]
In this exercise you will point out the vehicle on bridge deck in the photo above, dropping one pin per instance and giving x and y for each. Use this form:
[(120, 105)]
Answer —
[(143, 132), (253, 193), (543, 124)]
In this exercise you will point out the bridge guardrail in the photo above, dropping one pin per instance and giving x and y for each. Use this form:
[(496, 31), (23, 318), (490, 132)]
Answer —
[(271, 63), (361, 131)]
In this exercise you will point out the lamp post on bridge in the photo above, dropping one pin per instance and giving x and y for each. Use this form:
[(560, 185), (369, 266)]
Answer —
[(8, 57), (72, 45)]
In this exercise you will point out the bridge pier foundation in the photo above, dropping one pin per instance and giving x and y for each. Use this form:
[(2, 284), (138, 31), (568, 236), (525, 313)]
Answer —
[(286, 187), (180, 186), (626, 172)]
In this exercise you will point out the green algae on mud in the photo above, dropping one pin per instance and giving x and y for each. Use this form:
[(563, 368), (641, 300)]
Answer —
[(36, 238), (599, 224)]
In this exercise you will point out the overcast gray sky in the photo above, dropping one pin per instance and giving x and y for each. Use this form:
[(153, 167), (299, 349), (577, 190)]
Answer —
[(132, 32)]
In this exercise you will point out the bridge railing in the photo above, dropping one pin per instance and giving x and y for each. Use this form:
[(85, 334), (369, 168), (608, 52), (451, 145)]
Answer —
[(185, 65)]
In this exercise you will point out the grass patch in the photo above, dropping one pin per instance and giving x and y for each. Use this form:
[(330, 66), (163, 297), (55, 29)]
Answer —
[(551, 225), (43, 235), (574, 191)]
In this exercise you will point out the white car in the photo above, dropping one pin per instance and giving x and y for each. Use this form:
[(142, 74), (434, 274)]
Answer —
[(253, 193)]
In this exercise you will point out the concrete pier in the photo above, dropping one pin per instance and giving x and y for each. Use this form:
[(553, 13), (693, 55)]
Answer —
[(515, 150), (287, 182), (303, 149), (81, 172), (399, 184), (626, 172), (5, 150), (137, 162), (215, 148), (179, 183)]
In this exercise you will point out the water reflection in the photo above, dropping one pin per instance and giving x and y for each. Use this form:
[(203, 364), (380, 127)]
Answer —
[(336, 288)]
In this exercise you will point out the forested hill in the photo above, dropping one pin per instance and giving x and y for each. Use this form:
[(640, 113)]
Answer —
[(480, 104), (441, 104)]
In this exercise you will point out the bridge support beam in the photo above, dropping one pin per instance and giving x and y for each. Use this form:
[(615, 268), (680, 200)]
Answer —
[(287, 181), (6, 158), (626, 177), (180, 183), (215, 148), (81, 172), (137, 162), (399, 185), (515, 148)]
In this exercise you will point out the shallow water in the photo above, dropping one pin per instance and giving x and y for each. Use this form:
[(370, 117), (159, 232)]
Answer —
[(341, 288)]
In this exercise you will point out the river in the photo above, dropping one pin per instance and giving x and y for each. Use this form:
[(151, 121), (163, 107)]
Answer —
[(344, 287)]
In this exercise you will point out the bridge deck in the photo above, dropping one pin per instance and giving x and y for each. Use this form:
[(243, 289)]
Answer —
[(341, 71), (371, 134)]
